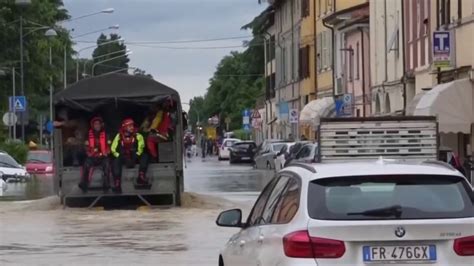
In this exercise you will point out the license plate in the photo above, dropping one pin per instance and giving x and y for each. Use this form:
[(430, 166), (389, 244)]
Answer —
[(245, 158), (420, 253)]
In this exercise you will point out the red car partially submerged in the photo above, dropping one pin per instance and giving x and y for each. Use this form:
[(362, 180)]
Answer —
[(40, 162)]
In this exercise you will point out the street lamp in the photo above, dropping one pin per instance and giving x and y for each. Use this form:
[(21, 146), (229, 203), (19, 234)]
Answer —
[(107, 60), (51, 33), (113, 27), (90, 47)]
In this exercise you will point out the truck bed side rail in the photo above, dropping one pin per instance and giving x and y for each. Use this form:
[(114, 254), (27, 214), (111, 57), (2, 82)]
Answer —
[(367, 139)]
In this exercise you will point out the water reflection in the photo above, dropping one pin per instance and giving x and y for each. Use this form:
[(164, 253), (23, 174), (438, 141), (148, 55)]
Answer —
[(39, 187)]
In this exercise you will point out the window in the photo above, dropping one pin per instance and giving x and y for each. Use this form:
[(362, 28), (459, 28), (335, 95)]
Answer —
[(304, 62), (288, 204), (39, 157), (305, 8), (283, 64), (8, 162), (272, 48), (416, 197), (273, 200), (304, 152), (418, 18), (357, 61), (351, 63), (319, 52), (329, 5), (324, 49), (257, 210), (319, 7)]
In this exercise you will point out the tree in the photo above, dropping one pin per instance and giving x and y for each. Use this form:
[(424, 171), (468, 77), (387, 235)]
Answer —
[(106, 52), (36, 51), (236, 84), (141, 72)]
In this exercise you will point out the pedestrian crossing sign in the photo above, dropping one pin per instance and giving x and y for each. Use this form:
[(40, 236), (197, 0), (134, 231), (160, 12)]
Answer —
[(17, 104)]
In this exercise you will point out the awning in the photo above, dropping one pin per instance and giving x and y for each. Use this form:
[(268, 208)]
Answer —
[(451, 103), (314, 110), (411, 106)]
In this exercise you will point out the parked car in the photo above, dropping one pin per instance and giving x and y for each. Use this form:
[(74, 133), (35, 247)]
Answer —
[(283, 155), (308, 153), (242, 151), (288, 153), (224, 152), (40, 162), (265, 156), (356, 214), (11, 170)]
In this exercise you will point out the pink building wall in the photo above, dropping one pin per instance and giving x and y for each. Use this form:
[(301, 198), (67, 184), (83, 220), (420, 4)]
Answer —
[(357, 69)]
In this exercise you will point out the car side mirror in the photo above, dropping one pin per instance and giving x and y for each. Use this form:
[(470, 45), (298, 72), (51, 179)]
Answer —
[(230, 218)]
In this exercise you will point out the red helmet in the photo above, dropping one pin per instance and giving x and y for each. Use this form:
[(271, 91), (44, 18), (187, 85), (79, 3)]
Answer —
[(96, 119), (127, 122)]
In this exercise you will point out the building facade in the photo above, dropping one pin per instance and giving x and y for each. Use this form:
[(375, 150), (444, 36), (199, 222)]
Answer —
[(287, 46), (352, 58), (390, 92)]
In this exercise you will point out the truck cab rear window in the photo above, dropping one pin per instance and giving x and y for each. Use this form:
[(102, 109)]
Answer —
[(390, 197)]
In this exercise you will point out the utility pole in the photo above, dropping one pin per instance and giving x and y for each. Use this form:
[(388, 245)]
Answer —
[(22, 75)]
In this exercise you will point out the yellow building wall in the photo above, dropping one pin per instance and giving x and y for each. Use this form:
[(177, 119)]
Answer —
[(343, 4), (307, 38)]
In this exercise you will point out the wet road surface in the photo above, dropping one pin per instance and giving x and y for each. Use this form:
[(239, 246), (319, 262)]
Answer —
[(41, 233)]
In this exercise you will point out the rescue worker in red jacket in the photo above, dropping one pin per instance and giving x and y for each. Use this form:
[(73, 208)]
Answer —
[(128, 146), (158, 127), (97, 155)]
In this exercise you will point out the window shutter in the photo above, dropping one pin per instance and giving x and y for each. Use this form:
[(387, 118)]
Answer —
[(319, 51)]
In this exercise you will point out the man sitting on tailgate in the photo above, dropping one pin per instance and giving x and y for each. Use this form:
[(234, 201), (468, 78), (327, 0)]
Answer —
[(97, 155), (128, 147)]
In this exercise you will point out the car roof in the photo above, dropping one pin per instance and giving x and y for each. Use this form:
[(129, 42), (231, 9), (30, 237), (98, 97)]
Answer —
[(377, 167), (246, 142), (232, 139), (40, 151)]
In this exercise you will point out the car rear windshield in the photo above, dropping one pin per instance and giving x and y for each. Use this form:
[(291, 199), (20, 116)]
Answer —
[(244, 145), (390, 197), (39, 157)]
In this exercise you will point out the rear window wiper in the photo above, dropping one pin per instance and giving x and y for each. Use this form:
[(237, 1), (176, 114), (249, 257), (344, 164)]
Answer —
[(395, 210)]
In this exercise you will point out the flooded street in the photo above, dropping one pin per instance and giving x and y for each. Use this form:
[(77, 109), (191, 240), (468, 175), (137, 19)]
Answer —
[(42, 233)]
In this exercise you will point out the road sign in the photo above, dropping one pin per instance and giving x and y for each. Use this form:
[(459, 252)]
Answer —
[(228, 120), (49, 127), (246, 117), (10, 119), (17, 103), (442, 48), (256, 114), (247, 127), (294, 116)]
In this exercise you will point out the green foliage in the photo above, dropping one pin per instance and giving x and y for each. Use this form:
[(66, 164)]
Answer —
[(105, 52), (234, 87), (241, 134), (17, 150), (141, 72)]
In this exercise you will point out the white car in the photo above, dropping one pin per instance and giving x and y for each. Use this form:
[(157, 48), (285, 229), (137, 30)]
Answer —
[(224, 152), (11, 170), (281, 156), (372, 213)]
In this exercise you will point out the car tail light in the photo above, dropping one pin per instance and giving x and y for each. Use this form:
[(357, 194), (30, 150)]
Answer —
[(300, 245), (464, 246)]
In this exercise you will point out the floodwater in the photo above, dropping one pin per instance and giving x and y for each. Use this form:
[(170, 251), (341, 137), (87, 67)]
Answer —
[(40, 232)]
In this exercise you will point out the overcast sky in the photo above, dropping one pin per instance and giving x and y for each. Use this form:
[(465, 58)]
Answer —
[(187, 70)]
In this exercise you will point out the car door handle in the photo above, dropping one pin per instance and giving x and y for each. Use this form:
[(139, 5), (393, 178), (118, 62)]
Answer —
[(242, 243), (260, 239)]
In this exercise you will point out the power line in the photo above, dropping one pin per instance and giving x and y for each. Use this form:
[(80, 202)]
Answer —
[(198, 47), (181, 41)]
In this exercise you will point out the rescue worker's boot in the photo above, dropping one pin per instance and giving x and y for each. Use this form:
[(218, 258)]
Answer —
[(142, 180), (118, 186), (83, 185)]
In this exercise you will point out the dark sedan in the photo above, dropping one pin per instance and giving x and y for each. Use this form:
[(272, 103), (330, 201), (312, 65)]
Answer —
[(243, 151)]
